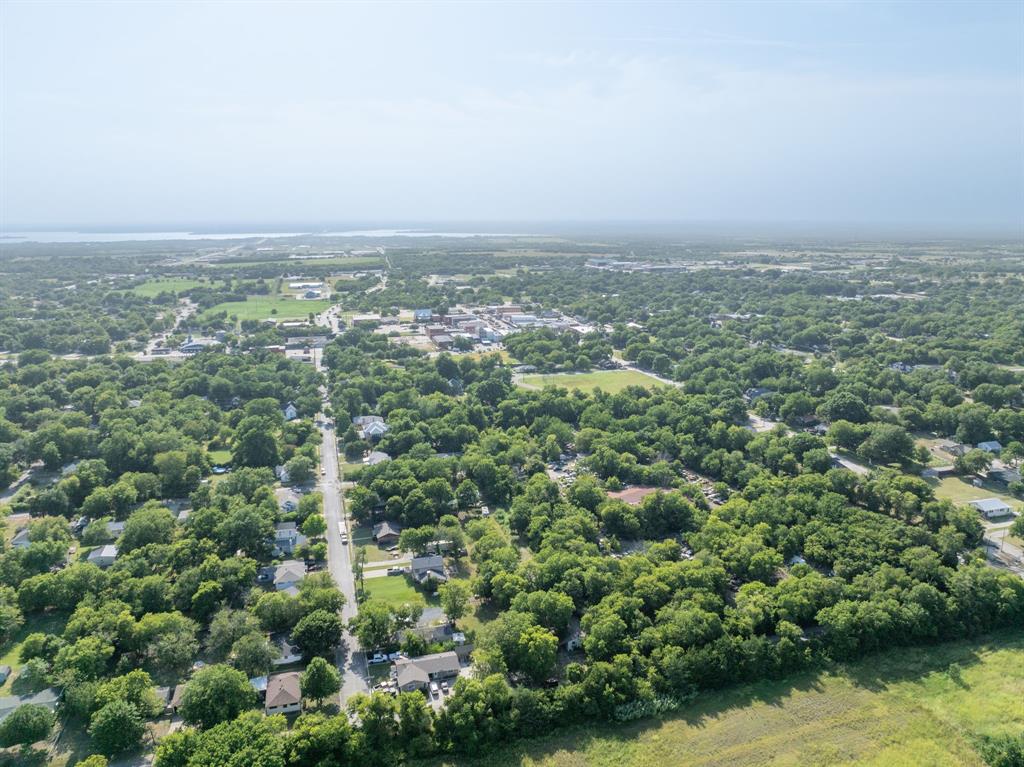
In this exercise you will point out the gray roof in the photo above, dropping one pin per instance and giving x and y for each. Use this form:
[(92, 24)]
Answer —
[(990, 504), (421, 669), (283, 690), (431, 562), (386, 528)]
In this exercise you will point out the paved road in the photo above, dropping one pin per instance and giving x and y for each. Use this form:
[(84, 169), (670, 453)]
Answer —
[(351, 661)]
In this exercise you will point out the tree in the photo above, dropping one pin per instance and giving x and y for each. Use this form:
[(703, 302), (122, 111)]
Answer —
[(26, 725), (466, 494), (454, 599), (374, 625), (300, 469), (116, 727), (321, 740), (135, 687), (96, 760), (314, 525), (973, 461), (251, 740), (535, 653), (887, 443), (150, 524), (318, 633), (216, 694), (255, 443), (320, 680), (252, 654), (226, 628)]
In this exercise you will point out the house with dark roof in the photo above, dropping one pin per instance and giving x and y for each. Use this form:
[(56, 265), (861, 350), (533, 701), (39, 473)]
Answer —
[(428, 568), (417, 673), (386, 533)]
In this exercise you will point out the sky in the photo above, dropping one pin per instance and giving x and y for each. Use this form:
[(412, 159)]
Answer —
[(199, 114)]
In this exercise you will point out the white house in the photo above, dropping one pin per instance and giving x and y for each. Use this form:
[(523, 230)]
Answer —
[(375, 430), (289, 573), (287, 538), (283, 694), (992, 507), (290, 412), (991, 446), (103, 556)]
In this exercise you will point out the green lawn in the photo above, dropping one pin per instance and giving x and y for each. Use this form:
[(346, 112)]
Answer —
[(362, 535), (961, 491), (152, 288), (611, 381), (47, 624), (268, 307), (397, 591), (900, 709), (219, 456)]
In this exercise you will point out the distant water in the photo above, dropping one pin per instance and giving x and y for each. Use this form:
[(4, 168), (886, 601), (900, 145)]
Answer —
[(69, 237)]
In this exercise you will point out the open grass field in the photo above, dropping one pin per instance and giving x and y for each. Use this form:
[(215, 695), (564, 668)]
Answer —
[(962, 492), (219, 457), (906, 708), (269, 307), (353, 264), (611, 381), (397, 591), (152, 288)]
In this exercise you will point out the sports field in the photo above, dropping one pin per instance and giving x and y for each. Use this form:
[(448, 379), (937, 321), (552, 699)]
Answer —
[(269, 307), (899, 709), (611, 381)]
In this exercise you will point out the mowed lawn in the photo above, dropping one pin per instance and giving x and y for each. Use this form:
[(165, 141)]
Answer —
[(397, 591), (900, 709), (611, 381), (961, 492), (269, 307), (152, 288)]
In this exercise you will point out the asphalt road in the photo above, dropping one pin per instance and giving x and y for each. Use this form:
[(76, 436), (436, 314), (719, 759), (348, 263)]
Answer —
[(351, 661)]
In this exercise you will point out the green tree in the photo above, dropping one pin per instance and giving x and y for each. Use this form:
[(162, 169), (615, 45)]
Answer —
[(252, 654), (300, 469), (216, 694), (320, 680), (25, 725), (117, 727), (318, 633), (374, 625), (454, 598)]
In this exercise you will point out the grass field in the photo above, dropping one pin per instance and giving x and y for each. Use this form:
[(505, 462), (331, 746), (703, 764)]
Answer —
[(900, 709), (354, 264), (962, 492), (611, 381), (269, 307), (151, 288), (219, 457), (397, 591)]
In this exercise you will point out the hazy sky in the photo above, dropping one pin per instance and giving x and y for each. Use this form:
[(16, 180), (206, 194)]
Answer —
[(147, 113)]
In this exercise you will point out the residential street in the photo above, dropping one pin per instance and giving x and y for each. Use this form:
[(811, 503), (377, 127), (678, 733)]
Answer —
[(350, 661)]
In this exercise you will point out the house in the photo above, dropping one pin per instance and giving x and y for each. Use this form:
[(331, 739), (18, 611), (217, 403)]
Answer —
[(289, 573), (48, 698), (287, 538), (374, 431), (376, 457), (386, 533), (1005, 475), (991, 446), (901, 367), (115, 529), (103, 556), (428, 568), (282, 474), (290, 412), (443, 341), (949, 447), (287, 653), (363, 420), (939, 472), (418, 673), (991, 508), (175, 704), (21, 539), (423, 315), (755, 393), (283, 694)]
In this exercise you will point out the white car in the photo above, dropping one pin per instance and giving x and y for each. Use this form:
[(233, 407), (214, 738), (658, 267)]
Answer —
[(377, 658), (344, 538), (434, 689)]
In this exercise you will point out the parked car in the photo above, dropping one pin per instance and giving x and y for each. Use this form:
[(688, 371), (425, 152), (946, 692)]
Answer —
[(434, 689), (377, 658), (444, 686), (344, 537), (396, 571), (393, 656)]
